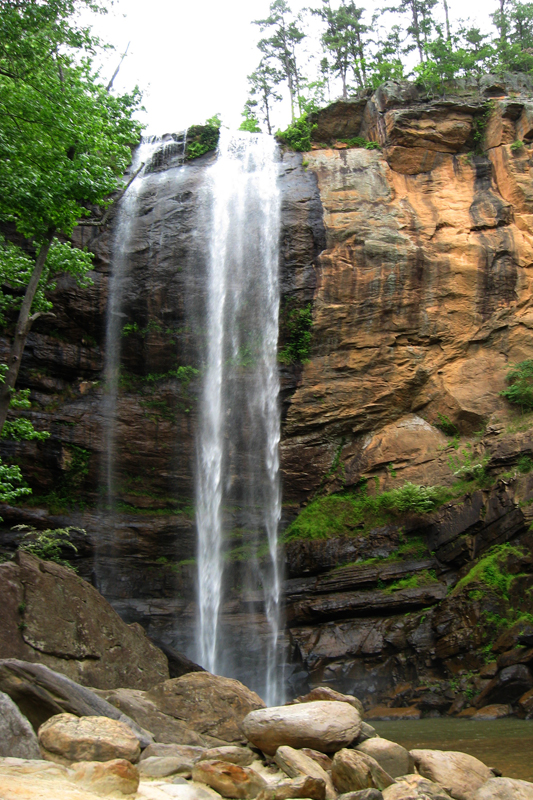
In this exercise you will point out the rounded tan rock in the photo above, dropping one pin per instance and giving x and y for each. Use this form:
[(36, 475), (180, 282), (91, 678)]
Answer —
[(228, 779), (459, 774), (326, 726), (106, 777), (69, 738)]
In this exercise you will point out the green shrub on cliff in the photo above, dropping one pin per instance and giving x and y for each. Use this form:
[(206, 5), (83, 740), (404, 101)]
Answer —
[(349, 513), (490, 570), (298, 135), (202, 139), (520, 378)]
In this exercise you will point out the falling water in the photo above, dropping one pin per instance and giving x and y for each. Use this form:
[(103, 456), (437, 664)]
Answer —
[(152, 154), (238, 491)]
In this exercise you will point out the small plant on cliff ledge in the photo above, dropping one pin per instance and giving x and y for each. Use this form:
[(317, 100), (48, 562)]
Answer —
[(298, 134), (48, 544), (296, 327), (520, 391), (490, 571)]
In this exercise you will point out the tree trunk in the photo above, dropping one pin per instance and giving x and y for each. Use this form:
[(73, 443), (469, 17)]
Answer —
[(448, 32), (24, 324)]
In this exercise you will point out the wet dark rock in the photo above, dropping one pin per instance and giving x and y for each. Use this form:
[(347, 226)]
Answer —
[(507, 687)]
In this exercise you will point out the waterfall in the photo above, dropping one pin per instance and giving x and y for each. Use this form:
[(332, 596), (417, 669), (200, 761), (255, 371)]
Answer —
[(238, 500)]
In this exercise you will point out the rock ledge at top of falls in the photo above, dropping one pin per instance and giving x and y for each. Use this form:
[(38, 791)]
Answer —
[(52, 616), (326, 726)]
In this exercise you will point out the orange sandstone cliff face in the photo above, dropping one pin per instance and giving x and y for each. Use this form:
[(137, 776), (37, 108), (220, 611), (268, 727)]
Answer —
[(423, 295)]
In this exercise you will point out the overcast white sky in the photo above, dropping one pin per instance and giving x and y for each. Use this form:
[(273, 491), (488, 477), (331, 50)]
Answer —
[(191, 57)]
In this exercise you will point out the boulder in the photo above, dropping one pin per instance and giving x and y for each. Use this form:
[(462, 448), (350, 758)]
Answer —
[(366, 732), (185, 752), (526, 704), (320, 758), (325, 693), (303, 786), (17, 737), (362, 794), (410, 787), (352, 771), (108, 777), (229, 780), (392, 757), (162, 766), (459, 774), (165, 728), (71, 628), (21, 779), (326, 726), (295, 763), (66, 738), (505, 789), (234, 754), (496, 711), (508, 685), (41, 693), (208, 704)]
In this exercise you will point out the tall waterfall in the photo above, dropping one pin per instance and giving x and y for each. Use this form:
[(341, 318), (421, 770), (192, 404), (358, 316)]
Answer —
[(238, 496)]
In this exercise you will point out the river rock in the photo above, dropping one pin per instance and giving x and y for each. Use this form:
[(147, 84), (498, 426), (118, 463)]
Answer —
[(207, 703), (67, 738), (320, 758), (392, 757), (303, 786), (508, 685), (108, 777), (165, 728), (162, 766), (459, 774), (41, 693), (505, 789), (185, 752), (242, 756), (362, 794), (294, 763), (71, 628), (496, 711), (352, 771), (326, 693), (229, 780), (366, 732), (17, 737), (319, 725), (526, 704), (409, 787)]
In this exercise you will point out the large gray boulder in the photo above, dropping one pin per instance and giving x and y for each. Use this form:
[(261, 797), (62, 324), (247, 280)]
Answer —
[(352, 771), (17, 737), (41, 693), (326, 726), (52, 616), (208, 704), (392, 757), (459, 774), (505, 789), (66, 738)]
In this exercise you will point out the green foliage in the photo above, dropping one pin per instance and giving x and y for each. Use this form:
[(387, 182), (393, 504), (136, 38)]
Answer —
[(9, 477), (65, 494), (423, 578), (298, 135), (524, 464), (446, 425), (48, 544), (517, 145), (360, 141), (467, 465), (489, 570), (22, 429), (296, 326), (520, 378), (250, 123), (345, 513), (203, 139)]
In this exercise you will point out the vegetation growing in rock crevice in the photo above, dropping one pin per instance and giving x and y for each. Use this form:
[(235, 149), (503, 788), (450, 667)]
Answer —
[(296, 334), (520, 391), (490, 573), (349, 513), (202, 139)]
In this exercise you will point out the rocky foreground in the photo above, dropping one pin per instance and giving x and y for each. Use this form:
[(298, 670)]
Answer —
[(219, 742)]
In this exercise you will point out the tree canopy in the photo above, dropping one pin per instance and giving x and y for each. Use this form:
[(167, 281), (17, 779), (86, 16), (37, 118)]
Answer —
[(65, 142)]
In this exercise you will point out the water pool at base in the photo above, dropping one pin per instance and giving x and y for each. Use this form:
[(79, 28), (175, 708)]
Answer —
[(506, 744)]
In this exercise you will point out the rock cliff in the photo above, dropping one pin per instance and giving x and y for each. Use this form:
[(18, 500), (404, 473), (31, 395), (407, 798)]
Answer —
[(408, 230)]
